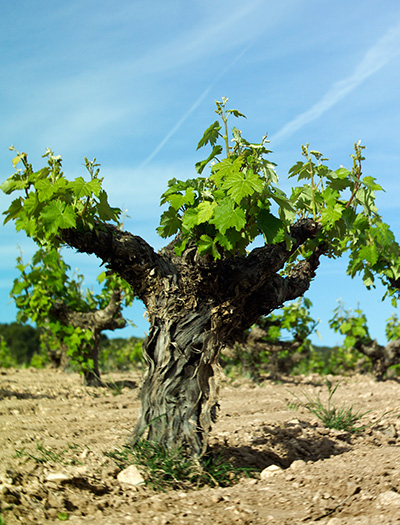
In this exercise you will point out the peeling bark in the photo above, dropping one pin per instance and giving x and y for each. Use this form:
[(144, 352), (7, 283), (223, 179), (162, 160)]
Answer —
[(180, 391), (256, 343), (195, 306), (108, 318), (381, 357)]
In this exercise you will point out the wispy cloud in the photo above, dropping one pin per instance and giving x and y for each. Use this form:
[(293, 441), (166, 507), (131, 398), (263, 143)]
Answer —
[(218, 31), (193, 107), (380, 54)]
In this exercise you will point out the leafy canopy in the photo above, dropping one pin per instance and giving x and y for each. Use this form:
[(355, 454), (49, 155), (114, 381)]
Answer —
[(43, 282), (224, 212), (293, 320), (350, 323), (354, 326), (49, 202)]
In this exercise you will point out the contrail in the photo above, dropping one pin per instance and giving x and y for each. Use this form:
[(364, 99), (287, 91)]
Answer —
[(193, 107), (387, 48)]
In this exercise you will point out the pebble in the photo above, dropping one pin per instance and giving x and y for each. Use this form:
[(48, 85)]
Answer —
[(388, 499), (297, 464), (130, 476), (57, 476), (270, 471)]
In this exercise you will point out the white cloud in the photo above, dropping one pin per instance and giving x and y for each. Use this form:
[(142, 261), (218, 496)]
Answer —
[(381, 53), (193, 107)]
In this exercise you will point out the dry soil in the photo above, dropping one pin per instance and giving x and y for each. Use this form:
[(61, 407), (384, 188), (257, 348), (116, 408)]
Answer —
[(54, 433)]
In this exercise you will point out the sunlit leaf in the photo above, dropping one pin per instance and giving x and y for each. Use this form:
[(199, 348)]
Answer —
[(227, 215), (82, 188), (210, 135), (58, 215)]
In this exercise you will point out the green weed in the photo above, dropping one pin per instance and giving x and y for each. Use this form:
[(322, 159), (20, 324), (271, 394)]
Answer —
[(46, 455), (165, 469), (293, 405), (116, 387), (336, 417)]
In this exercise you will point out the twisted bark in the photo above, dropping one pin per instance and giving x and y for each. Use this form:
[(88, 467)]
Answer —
[(108, 318), (195, 306), (257, 341), (381, 357)]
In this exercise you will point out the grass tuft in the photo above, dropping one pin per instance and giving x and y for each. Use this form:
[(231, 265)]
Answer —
[(46, 455), (165, 469), (336, 417)]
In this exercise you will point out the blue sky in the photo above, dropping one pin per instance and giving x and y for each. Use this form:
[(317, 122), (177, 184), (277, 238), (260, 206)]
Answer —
[(133, 84)]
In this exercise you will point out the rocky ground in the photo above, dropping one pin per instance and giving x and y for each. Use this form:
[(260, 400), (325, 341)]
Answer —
[(54, 434)]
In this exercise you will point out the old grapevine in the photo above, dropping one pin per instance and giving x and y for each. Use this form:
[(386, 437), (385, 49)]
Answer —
[(205, 288)]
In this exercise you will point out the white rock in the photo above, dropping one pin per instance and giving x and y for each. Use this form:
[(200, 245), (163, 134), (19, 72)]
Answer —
[(389, 499), (130, 476), (80, 471), (57, 476), (297, 464), (270, 471)]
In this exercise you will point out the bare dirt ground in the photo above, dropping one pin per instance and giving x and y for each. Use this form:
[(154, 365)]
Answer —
[(54, 433)]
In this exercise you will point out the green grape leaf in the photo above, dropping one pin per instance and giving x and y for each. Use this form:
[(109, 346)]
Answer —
[(225, 168), (371, 184), (295, 169), (105, 211), (287, 211), (369, 253), (269, 225), (82, 188), (217, 150), (190, 219), (330, 197), (236, 113), (226, 215), (205, 211), (58, 215), (14, 210), (210, 135), (331, 214), (241, 185), (207, 245), (46, 189), (13, 183), (170, 223)]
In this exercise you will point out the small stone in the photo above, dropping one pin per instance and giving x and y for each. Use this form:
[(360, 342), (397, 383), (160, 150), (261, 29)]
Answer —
[(339, 434), (80, 471), (298, 464), (389, 499), (216, 498), (54, 501), (57, 476), (390, 431), (130, 476), (270, 471)]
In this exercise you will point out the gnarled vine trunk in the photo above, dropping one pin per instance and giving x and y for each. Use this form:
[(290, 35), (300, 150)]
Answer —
[(107, 318), (381, 357), (195, 306), (257, 342), (180, 390)]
